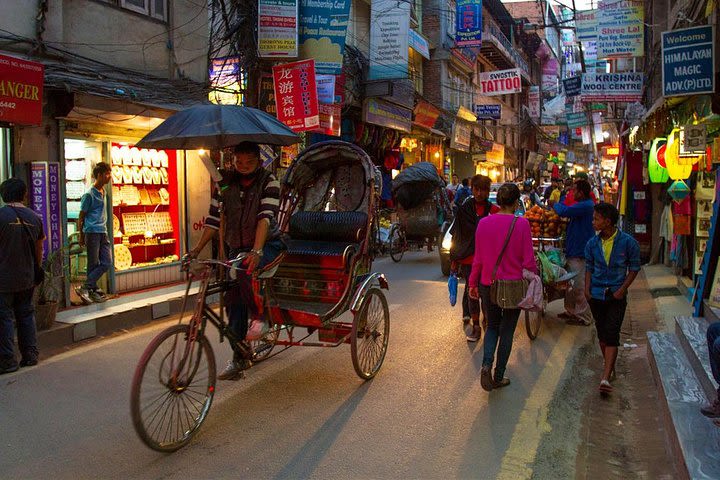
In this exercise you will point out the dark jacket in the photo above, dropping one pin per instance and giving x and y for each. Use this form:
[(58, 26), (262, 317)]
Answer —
[(242, 205), (463, 230)]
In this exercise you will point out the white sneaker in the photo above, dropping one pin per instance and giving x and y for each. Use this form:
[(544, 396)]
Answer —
[(234, 370)]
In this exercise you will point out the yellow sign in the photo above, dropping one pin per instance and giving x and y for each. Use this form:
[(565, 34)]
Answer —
[(496, 155)]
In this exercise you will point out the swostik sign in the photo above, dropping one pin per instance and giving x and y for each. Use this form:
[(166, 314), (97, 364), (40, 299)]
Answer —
[(500, 82), (687, 60)]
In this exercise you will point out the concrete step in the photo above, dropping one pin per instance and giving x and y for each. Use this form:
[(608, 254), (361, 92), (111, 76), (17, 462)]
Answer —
[(694, 438), (691, 334)]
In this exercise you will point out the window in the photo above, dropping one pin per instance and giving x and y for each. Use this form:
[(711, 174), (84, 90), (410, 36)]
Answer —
[(415, 70), (451, 19), (153, 8)]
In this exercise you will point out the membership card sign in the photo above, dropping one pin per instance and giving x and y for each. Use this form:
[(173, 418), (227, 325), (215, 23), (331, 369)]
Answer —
[(687, 56), (620, 28), (277, 28), (296, 95), (500, 82)]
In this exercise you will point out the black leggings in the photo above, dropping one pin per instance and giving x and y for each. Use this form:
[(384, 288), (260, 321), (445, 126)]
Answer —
[(609, 315)]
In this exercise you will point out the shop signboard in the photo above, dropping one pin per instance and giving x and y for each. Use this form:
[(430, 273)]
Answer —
[(586, 24), (44, 199), (496, 155), (620, 30), (500, 82), (426, 114), (296, 95), (323, 27), (468, 26), (420, 44), (277, 28), (330, 120), (266, 96), (461, 133), (224, 79), (568, 37), (386, 114), (21, 88), (688, 60), (693, 139), (572, 86), (534, 102), (389, 39), (611, 87), (487, 112), (325, 88)]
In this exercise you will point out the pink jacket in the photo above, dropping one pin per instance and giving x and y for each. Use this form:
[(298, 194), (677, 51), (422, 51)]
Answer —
[(489, 239)]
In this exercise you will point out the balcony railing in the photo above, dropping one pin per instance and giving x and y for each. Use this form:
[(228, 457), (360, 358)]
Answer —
[(493, 34)]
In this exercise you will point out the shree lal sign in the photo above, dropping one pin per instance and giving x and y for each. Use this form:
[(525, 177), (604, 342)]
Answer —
[(500, 82)]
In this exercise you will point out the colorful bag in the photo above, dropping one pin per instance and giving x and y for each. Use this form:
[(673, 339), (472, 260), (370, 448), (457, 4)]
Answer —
[(507, 294)]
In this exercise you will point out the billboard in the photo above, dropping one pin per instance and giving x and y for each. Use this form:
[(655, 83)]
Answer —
[(500, 82), (621, 31), (296, 95), (21, 88), (687, 61), (323, 26), (468, 23), (389, 39)]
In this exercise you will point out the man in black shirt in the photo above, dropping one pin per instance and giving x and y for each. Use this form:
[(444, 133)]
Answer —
[(21, 231)]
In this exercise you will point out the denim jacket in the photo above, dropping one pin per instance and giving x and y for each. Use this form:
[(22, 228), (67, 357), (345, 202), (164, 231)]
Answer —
[(625, 256)]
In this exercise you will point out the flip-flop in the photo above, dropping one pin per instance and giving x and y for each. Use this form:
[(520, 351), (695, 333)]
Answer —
[(605, 387), (566, 315)]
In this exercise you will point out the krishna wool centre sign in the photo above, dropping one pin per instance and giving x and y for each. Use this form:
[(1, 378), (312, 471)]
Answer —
[(611, 87)]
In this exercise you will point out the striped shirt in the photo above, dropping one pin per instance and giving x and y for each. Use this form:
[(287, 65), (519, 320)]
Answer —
[(269, 204)]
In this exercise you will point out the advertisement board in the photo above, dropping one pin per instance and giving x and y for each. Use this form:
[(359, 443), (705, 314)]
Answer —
[(44, 199), (389, 39), (277, 28), (468, 27), (323, 27), (620, 31), (487, 112), (386, 114), (500, 82), (225, 81), (296, 95), (426, 114), (21, 88), (687, 61), (618, 87), (572, 86), (534, 102), (586, 24)]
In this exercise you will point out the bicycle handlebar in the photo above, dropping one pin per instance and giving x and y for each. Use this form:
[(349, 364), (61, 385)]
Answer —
[(229, 264)]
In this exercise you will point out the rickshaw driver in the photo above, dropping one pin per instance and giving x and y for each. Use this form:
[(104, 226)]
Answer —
[(251, 197)]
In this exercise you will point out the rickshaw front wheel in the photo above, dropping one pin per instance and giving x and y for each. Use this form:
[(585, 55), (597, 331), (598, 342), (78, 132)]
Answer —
[(370, 333)]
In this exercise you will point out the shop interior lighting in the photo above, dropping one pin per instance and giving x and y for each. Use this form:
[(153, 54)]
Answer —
[(437, 154), (606, 134)]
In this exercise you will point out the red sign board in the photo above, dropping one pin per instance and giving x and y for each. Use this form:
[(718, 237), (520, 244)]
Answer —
[(426, 114), (330, 119), (21, 85), (296, 95)]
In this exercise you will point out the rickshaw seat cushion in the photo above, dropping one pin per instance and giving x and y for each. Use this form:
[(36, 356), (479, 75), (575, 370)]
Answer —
[(328, 227), (319, 248)]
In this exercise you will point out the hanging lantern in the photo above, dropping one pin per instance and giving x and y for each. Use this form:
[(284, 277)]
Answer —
[(678, 168), (661, 155), (678, 190), (657, 172)]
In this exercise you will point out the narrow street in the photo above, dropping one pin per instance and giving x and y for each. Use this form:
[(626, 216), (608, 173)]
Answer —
[(305, 414)]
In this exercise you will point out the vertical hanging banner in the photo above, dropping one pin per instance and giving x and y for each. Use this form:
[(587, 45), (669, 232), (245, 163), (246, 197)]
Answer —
[(468, 23), (534, 102), (620, 28), (296, 95), (323, 26), (277, 28), (389, 39), (586, 24), (687, 60), (44, 199), (325, 88)]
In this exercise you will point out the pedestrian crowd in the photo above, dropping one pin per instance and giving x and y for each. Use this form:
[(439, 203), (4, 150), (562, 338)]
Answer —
[(493, 249)]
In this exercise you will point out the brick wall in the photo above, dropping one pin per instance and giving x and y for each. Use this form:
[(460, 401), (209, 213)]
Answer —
[(432, 80)]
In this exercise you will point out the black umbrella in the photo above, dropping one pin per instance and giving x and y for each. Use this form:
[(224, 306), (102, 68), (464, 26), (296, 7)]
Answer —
[(218, 126)]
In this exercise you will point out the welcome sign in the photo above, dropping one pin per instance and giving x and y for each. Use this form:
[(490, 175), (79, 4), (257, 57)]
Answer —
[(688, 59)]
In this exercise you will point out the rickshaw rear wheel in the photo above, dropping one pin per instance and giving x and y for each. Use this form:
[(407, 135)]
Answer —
[(370, 333), (397, 243), (168, 404), (534, 320)]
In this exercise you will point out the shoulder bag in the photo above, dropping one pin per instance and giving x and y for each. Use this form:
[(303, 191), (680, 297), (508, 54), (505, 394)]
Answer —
[(507, 293), (38, 272)]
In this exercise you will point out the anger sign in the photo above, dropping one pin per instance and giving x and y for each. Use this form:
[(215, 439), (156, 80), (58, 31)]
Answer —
[(500, 82), (296, 95), (21, 86)]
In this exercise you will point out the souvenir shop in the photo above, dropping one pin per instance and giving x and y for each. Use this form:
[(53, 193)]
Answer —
[(682, 157)]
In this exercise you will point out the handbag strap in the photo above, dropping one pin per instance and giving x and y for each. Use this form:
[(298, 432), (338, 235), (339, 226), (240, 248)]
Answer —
[(502, 252), (28, 234)]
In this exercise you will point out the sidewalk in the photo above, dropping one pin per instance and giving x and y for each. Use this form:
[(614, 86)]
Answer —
[(100, 319)]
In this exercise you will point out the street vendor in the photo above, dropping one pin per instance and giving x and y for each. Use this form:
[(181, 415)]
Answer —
[(250, 196), (579, 231)]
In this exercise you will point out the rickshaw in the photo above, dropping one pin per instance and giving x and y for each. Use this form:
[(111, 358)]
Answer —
[(423, 209), (328, 203)]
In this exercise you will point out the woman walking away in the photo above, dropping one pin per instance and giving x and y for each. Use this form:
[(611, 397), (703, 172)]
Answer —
[(503, 249)]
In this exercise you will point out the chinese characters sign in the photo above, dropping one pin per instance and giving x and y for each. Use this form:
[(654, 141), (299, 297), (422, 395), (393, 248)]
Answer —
[(468, 29), (277, 28), (296, 95), (21, 86)]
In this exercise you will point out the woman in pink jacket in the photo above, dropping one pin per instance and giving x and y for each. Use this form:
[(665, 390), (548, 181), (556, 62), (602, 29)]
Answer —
[(489, 240)]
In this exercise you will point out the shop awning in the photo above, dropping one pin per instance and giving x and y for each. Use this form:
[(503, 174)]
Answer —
[(418, 129)]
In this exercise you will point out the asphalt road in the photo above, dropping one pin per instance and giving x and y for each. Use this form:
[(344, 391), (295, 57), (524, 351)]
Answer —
[(305, 413)]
